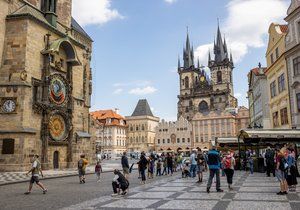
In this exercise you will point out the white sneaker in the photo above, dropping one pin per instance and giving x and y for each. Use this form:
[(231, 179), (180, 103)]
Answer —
[(114, 195)]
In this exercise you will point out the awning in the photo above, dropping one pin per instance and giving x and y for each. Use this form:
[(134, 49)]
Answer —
[(81, 134)]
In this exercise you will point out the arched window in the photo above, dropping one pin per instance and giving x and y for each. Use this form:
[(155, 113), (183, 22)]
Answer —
[(186, 82), (203, 106), (219, 77)]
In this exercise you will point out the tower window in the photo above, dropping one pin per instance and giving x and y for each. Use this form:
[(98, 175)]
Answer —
[(219, 77), (49, 6), (186, 82)]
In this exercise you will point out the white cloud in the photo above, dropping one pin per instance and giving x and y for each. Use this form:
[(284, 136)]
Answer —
[(94, 12), (170, 1), (246, 25), (201, 53), (118, 91), (143, 91)]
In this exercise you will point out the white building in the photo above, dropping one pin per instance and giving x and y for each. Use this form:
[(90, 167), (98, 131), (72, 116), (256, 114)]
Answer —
[(110, 132), (258, 98)]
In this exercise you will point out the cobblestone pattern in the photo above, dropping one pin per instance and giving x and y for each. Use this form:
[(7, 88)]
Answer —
[(250, 192)]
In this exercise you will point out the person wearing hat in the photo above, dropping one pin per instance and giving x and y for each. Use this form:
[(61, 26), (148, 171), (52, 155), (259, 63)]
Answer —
[(35, 171), (119, 183)]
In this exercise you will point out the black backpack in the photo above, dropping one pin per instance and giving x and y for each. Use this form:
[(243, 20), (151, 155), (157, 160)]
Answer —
[(283, 165)]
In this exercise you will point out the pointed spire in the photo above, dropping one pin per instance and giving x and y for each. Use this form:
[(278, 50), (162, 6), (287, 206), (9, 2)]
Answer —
[(198, 63), (188, 52), (231, 60), (209, 58), (219, 49), (225, 46), (179, 66)]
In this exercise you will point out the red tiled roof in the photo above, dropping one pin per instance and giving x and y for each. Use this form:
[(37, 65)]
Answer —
[(105, 114), (101, 116), (256, 70), (284, 28)]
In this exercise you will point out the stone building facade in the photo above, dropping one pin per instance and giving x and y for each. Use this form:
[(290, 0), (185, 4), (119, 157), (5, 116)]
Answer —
[(141, 128), (277, 80), (110, 132), (209, 102), (258, 98), (174, 136), (45, 85), (198, 92), (207, 127), (292, 41)]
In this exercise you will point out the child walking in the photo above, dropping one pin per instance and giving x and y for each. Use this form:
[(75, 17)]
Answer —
[(98, 170)]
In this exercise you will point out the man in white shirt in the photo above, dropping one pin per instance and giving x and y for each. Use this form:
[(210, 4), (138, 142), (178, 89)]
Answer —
[(35, 171)]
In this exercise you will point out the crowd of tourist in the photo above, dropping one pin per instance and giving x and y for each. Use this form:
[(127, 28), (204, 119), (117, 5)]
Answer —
[(281, 162)]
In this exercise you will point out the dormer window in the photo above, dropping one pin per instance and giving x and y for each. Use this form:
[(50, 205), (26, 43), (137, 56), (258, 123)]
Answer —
[(108, 121)]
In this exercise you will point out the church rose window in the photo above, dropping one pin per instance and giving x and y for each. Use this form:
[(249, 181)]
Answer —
[(203, 106)]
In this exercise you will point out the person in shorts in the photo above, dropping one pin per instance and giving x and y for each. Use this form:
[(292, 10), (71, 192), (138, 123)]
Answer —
[(82, 163), (280, 172), (35, 171)]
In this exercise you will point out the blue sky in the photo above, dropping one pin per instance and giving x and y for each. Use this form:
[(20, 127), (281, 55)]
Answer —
[(137, 43)]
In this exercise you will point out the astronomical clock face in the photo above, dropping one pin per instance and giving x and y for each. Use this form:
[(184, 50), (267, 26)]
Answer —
[(58, 90), (9, 106), (57, 127)]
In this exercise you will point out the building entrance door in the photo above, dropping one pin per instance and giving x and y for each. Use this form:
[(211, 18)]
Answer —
[(55, 160)]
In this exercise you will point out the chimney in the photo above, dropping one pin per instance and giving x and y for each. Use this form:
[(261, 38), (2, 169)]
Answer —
[(117, 110)]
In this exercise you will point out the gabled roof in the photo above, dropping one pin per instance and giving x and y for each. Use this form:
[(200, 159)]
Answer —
[(284, 28), (106, 114), (142, 109)]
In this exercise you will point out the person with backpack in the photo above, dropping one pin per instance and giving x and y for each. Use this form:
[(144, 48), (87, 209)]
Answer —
[(281, 171), (164, 160), (169, 164), (119, 183), (200, 166), (82, 163), (229, 163), (214, 163), (35, 171), (143, 162)]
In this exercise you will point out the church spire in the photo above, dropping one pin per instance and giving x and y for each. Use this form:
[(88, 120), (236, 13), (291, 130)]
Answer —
[(188, 53), (220, 47), (179, 65)]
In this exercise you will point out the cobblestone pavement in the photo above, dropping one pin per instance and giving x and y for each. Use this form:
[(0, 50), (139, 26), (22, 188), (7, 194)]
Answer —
[(250, 192)]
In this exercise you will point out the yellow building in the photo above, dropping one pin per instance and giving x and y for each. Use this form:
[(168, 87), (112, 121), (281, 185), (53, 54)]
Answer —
[(277, 77)]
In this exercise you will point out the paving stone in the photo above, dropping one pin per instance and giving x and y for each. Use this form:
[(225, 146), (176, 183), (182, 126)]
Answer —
[(201, 196), (131, 203), (189, 204), (178, 184), (152, 195), (167, 189), (259, 189), (260, 197), (248, 205)]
